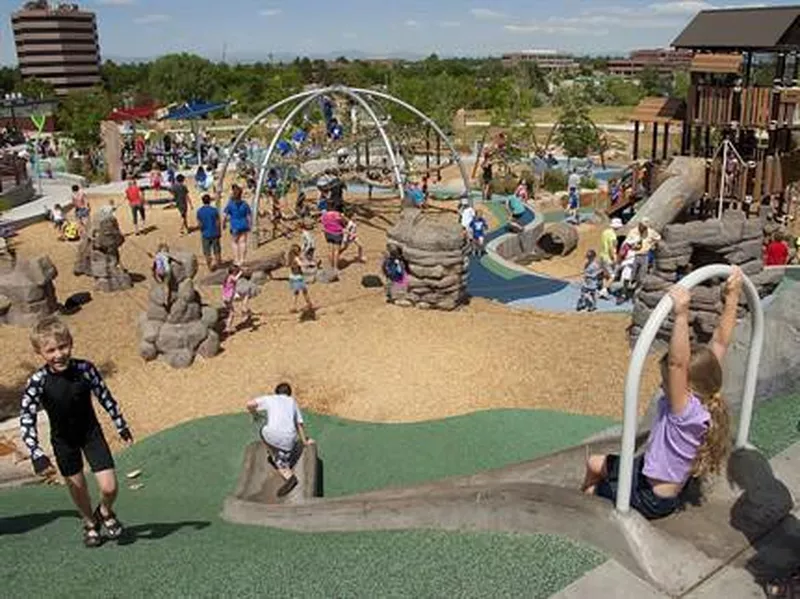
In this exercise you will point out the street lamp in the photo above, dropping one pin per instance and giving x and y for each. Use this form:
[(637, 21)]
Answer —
[(12, 100)]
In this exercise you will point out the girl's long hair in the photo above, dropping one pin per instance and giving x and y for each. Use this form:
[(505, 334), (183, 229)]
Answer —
[(705, 381)]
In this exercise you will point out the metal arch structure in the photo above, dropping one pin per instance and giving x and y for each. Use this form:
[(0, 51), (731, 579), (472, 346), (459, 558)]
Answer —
[(641, 349), (350, 93), (429, 121), (356, 94)]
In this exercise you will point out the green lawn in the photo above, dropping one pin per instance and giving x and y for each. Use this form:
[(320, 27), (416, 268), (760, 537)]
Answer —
[(180, 547), (602, 115)]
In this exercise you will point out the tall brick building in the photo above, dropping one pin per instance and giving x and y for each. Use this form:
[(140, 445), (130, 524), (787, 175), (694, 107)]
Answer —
[(57, 44)]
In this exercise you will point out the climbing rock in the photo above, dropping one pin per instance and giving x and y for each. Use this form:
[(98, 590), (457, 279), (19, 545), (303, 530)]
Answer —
[(179, 358), (28, 292), (210, 345), (148, 351), (209, 316)]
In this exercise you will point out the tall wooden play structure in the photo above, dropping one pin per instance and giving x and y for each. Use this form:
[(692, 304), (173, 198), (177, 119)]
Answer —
[(737, 116)]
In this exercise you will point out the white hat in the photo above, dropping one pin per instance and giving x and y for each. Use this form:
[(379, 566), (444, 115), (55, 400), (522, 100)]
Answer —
[(646, 221), (616, 223)]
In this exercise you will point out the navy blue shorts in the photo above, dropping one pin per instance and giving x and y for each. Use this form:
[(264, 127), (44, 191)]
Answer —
[(643, 499)]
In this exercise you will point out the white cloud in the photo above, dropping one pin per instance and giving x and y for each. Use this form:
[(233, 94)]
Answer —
[(552, 29), (450, 24), (270, 12), (412, 23), (487, 14), (681, 7), (152, 18), (115, 2)]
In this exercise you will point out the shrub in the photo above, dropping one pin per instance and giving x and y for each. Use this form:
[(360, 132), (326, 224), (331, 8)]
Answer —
[(554, 180), (588, 183)]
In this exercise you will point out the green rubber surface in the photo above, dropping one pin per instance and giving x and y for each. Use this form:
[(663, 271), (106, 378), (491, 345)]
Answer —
[(180, 547)]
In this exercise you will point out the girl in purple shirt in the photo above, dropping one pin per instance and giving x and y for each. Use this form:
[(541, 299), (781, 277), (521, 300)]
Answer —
[(690, 435)]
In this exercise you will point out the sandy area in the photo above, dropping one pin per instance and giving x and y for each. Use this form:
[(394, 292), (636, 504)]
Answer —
[(359, 359)]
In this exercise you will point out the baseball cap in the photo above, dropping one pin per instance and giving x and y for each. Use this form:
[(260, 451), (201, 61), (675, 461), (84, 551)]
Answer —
[(616, 223)]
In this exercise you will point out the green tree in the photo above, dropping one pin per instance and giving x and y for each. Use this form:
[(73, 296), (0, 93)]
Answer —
[(651, 82), (9, 79), (79, 115), (680, 85), (183, 77), (575, 131), (35, 89)]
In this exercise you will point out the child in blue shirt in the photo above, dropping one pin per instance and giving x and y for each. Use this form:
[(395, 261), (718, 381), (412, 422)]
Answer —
[(478, 228), (592, 276)]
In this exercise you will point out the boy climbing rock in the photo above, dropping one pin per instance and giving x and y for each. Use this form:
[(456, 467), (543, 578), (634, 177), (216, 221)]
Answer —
[(63, 387), (281, 431)]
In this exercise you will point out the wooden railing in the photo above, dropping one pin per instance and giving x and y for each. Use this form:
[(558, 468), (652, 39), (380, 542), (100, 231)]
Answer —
[(752, 107)]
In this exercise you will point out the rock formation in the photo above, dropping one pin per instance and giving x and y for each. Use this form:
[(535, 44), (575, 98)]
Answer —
[(27, 292), (177, 326), (730, 240), (98, 255), (437, 259)]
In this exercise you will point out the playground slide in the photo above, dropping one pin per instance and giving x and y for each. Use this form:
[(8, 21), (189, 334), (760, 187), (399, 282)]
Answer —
[(684, 184), (538, 496)]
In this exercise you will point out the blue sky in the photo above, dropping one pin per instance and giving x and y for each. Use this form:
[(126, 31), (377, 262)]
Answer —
[(256, 28)]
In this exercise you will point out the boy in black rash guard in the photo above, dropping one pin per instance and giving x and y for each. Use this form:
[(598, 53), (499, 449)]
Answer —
[(63, 387)]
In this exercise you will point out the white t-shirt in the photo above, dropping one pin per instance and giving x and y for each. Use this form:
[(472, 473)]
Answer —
[(467, 215), (283, 416), (574, 181)]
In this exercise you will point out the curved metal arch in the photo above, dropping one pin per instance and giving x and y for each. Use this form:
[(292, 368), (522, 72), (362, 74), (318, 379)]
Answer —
[(271, 148), (244, 132), (639, 355), (433, 125), (351, 93)]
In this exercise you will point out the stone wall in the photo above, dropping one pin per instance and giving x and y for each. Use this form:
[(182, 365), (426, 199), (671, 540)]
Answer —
[(732, 240), (98, 256), (438, 261), (27, 292), (177, 326)]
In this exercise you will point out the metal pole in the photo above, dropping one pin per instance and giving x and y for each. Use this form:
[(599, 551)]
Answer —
[(636, 140), (432, 123), (639, 355), (244, 132), (725, 143)]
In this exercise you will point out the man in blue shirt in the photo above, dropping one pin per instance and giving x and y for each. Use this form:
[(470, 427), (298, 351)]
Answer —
[(238, 213), (208, 222)]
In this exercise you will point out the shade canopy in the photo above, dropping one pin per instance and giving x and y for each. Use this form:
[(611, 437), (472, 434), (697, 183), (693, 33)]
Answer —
[(773, 28), (137, 113), (193, 110)]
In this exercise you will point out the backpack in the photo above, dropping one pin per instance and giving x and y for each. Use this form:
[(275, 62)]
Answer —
[(393, 269)]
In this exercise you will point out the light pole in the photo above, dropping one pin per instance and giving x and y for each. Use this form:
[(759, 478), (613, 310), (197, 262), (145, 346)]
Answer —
[(11, 100)]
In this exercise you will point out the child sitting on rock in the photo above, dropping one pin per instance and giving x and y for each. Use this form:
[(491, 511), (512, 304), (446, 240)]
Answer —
[(396, 271), (162, 269), (592, 279), (281, 432)]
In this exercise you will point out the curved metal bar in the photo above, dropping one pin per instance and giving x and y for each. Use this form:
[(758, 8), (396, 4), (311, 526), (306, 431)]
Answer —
[(244, 132), (434, 126), (641, 349), (368, 109), (271, 148)]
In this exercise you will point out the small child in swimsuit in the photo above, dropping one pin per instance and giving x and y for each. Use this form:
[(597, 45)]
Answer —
[(232, 292), (297, 281), (350, 237)]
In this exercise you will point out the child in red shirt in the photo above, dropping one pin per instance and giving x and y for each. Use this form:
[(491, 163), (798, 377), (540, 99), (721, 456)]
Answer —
[(777, 252), (136, 201)]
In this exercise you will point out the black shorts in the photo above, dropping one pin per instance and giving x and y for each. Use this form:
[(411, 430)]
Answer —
[(334, 238), (487, 174), (182, 209), (643, 499), (211, 245), (68, 455), (137, 211)]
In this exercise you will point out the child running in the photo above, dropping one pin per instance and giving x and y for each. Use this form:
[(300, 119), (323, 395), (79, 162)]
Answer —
[(63, 387), (592, 281), (690, 435), (297, 281), (350, 237), (230, 296), (280, 433)]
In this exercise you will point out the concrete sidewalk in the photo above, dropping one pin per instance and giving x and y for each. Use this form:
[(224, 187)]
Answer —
[(773, 555)]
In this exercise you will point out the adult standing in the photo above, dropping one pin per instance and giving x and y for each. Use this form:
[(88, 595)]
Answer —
[(81, 206), (180, 195), (574, 180), (238, 213), (133, 194), (333, 224), (487, 175), (608, 253), (208, 222), (643, 241)]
